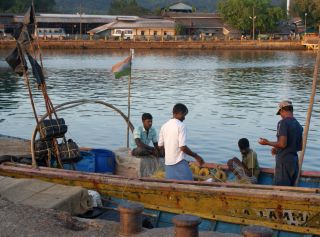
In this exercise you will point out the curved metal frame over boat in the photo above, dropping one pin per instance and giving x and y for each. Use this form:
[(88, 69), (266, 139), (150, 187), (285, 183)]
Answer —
[(72, 104)]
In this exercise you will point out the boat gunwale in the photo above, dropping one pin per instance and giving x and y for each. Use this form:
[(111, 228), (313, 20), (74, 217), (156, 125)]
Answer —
[(305, 173), (240, 189)]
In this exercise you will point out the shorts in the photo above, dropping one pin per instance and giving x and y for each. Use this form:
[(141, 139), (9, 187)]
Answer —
[(179, 171)]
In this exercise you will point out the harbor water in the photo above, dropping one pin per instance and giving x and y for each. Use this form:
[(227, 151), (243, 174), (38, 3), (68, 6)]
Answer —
[(230, 95)]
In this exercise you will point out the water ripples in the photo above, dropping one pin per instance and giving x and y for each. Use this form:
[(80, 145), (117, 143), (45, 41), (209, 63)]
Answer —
[(230, 94)]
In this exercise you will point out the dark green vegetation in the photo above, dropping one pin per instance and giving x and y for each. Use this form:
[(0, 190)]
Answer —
[(104, 6), (153, 6), (239, 13), (18, 6), (127, 7), (309, 7), (85, 6)]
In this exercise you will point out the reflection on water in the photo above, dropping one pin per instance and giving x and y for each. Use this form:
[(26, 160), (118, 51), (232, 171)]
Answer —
[(230, 94)]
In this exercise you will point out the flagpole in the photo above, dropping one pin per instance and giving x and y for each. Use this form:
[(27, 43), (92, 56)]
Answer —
[(308, 119), (129, 96)]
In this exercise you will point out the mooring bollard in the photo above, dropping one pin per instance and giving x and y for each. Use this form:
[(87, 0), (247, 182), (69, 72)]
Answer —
[(186, 225), (256, 231), (130, 218)]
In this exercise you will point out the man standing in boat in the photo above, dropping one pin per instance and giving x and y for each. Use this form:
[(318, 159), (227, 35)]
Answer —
[(142, 136), (172, 137), (289, 142)]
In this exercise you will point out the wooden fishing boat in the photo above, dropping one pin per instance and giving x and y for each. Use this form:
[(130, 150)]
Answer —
[(225, 207)]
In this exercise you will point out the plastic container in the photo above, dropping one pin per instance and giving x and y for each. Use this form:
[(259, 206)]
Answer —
[(105, 160), (87, 163)]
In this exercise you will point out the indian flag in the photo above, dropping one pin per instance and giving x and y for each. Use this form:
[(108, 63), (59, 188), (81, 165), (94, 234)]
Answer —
[(122, 68)]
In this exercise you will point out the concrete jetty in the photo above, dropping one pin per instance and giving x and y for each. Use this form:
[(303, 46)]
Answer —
[(23, 220), (36, 193)]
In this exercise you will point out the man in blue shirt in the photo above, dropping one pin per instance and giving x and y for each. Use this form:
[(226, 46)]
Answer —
[(143, 136), (289, 142)]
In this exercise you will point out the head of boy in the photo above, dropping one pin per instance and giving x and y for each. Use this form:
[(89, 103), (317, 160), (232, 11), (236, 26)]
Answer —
[(180, 111), (244, 146), (146, 121)]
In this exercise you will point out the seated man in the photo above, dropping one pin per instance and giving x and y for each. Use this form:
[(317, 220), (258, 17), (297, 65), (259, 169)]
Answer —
[(248, 169), (142, 136)]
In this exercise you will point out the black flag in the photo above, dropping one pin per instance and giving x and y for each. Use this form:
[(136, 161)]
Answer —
[(24, 31), (25, 36), (29, 17), (17, 61), (36, 69)]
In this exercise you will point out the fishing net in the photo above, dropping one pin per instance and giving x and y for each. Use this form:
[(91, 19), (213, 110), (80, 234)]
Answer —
[(241, 175)]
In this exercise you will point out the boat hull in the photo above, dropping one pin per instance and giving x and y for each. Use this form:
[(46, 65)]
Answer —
[(293, 209)]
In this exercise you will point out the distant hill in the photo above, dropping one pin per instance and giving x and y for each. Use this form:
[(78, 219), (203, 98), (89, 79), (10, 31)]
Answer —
[(88, 7), (102, 6)]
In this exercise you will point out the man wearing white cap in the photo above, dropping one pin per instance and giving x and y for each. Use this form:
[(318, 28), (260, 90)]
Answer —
[(289, 142)]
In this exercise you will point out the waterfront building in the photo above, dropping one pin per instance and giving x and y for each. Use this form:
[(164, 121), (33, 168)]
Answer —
[(137, 28), (180, 7), (6, 23), (203, 24), (199, 25), (71, 23)]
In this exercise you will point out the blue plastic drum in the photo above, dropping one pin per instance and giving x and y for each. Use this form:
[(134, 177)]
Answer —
[(105, 160), (87, 163)]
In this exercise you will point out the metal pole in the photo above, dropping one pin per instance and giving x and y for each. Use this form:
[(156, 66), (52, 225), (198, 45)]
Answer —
[(305, 23), (129, 96), (80, 20), (253, 18), (311, 102)]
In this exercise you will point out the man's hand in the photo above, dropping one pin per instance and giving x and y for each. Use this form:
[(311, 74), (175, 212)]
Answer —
[(199, 160), (155, 152), (263, 141), (273, 151)]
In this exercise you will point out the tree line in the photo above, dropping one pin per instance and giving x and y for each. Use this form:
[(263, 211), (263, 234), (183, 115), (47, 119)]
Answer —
[(241, 13), (20, 6), (238, 13), (309, 10)]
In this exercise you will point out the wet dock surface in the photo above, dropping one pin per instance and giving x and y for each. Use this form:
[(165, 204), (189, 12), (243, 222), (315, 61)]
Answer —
[(22, 220), (37, 193)]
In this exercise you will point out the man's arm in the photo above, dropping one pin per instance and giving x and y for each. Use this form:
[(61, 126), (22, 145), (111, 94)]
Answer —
[(281, 143), (142, 145), (155, 144), (161, 141), (188, 151)]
